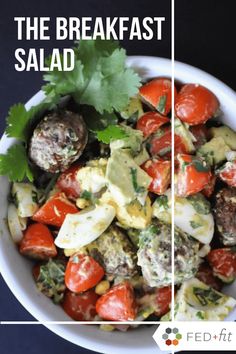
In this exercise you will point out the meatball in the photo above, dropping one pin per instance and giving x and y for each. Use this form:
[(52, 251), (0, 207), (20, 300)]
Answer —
[(225, 215), (187, 258), (154, 255), (115, 253), (57, 141)]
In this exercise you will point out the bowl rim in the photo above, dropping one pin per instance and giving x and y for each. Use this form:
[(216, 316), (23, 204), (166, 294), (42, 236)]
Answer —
[(26, 300)]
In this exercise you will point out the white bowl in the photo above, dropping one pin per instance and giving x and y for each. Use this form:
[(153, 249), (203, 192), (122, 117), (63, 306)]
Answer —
[(16, 270)]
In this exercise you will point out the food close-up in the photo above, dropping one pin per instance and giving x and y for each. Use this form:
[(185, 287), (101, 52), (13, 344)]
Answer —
[(205, 205), (89, 198)]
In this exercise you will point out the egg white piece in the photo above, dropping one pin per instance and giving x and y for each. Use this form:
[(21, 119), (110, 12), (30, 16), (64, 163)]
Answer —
[(82, 228), (198, 225), (196, 301)]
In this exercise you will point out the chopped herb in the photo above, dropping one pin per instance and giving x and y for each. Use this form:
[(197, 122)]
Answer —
[(207, 296), (137, 188), (162, 200), (201, 166), (200, 315), (162, 104), (50, 280), (200, 204), (194, 224), (89, 196), (35, 197), (184, 165)]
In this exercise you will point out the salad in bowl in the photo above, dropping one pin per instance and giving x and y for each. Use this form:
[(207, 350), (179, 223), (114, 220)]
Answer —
[(89, 202)]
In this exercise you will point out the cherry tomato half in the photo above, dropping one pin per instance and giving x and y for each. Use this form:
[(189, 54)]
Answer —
[(157, 93), (82, 273), (54, 211), (38, 242), (195, 104), (118, 303)]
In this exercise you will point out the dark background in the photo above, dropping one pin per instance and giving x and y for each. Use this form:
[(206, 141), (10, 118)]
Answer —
[(205, 37)]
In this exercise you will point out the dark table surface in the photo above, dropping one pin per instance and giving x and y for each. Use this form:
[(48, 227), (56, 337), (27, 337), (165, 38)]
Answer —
[(204, 34)]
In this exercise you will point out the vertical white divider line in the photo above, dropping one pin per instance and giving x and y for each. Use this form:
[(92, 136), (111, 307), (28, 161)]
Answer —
[(172, 155)]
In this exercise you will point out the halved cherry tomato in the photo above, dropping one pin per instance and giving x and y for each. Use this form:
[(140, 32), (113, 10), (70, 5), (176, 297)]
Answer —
[(38, 242), (195, 104), (118, 303), (160, 171), (209, 188), (80, 307), (160, 142), (54, 211), (68, 183), (82, 273), (223, 263), (150, 122), (200, 133), (193, 175), (205, 274), (157, 93), (228, 173), (163, 300)]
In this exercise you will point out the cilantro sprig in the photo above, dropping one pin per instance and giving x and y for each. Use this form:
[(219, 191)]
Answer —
[(100, 80)]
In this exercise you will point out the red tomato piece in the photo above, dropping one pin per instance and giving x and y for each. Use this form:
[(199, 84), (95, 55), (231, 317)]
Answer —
[(209, 188), (157, 94), (228, 173), (193, 175), (80, 307), (54, 211), (118, 303), (200, 133), (38, 242), (160, 171), (68, 183), (150, 122), (223, 263), (180, 146), (195, 104), (160, 142), (82, 273), (163, 300), (205, 274)]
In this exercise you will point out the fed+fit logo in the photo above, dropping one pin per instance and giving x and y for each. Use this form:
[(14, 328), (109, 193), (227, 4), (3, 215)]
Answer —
[(172, 336), (188, 335)]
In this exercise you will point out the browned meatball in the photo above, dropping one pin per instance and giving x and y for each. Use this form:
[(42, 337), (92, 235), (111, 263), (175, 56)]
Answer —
[(57, 141), (225, 215)]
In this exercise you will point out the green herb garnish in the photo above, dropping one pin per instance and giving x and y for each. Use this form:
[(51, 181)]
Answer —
[(162, 104), (194, 224), (206, 296), (137, 188), (162, 200), (99, 80), (112, 132)]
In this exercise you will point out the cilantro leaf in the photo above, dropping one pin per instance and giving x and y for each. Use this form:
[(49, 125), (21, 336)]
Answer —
[(96, 121), (15, 164), (99, 78), (112, 132), (17, 120)]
